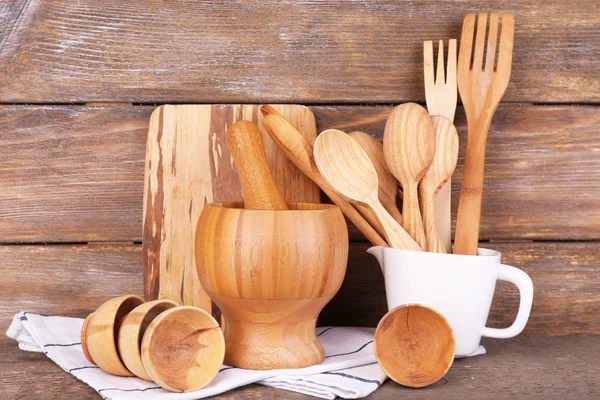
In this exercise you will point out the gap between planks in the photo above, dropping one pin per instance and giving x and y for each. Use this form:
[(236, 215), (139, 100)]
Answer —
[(308, 104)]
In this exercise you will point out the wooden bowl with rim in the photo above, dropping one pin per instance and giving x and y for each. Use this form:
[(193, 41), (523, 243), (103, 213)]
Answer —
[(414, 345), (271, 272), (132, 331), (101, 331), (183, 349)]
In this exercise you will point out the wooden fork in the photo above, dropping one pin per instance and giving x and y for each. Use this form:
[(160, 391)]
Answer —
[(481, 87), (440, 95)]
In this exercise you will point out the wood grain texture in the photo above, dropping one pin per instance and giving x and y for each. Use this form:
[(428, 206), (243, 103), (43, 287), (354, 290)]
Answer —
[(414, 345), (300, 152), (188, 165), (250, 51), (102, 332), (75, 174), (72, 280), (72, 174), (183, 349), (260, 192), (131, 332), (481, 87), (565, 278), (388, 185), (441, 96), (271, 272), (523, 367), (535, 154), (441, 169), (409, 148), (339, 157)]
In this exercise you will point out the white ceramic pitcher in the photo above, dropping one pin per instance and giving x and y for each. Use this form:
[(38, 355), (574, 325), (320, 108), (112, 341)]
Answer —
[(460, 287)]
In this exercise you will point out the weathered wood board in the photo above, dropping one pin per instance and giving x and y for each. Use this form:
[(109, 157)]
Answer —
[(189, 165), (73, 280), (76, 174), (291, 51)]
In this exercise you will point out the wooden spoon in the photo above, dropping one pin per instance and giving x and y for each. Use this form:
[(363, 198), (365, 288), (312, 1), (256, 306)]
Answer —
[(300, 153), (388, 185), (440, 170), (245, 142), (408, 147), (414, 345), (347, 169)]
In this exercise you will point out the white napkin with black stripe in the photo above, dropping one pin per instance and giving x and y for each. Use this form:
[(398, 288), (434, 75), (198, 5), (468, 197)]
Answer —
[(349, 370)]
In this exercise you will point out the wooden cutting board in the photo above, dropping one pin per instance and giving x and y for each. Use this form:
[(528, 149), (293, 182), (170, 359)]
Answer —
[(188, 165)]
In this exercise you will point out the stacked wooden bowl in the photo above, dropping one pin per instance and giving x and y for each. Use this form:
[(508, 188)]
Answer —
[(180, 348)]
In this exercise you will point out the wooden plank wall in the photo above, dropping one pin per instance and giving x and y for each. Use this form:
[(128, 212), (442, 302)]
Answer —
[(78, 81)]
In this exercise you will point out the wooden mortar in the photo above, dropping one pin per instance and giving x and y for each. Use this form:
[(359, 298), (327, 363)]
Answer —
[(271, 272)]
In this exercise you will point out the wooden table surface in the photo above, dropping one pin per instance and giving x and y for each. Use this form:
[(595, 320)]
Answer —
[(522, 368), (79, 79)]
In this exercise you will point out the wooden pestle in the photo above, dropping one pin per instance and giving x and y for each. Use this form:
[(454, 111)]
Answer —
[(259, 189), (300, 152)]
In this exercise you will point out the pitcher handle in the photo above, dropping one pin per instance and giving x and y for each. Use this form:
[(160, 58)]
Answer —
[(525, 286)]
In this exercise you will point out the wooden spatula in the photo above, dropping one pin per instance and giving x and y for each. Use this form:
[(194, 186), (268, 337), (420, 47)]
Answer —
[(440, 170), (441, 95), (245, 142), (347, 169), (300, 152), (481, 87), (408, 147)]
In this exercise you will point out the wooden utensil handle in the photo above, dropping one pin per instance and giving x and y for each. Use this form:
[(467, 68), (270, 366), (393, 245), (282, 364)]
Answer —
[(394, 212), (299, 152), (427, 204), (350, 212), (371, 218), (466, 236), (259, 189), (411, 215), (443, 215), (396, 236)]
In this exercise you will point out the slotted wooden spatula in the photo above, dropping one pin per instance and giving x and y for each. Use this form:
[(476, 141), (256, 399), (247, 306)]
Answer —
[(481, 87), (440, 95)]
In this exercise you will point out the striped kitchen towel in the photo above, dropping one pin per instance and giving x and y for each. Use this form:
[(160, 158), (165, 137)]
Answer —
[(349, 370)]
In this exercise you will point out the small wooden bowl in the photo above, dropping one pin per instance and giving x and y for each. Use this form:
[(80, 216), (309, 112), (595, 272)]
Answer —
[(101, 333), (183, 349), (84, 345), (132, 331), (414, 345)]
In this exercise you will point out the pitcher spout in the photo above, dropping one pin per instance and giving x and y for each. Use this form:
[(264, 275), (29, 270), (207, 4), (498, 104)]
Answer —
[(377, 252)]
